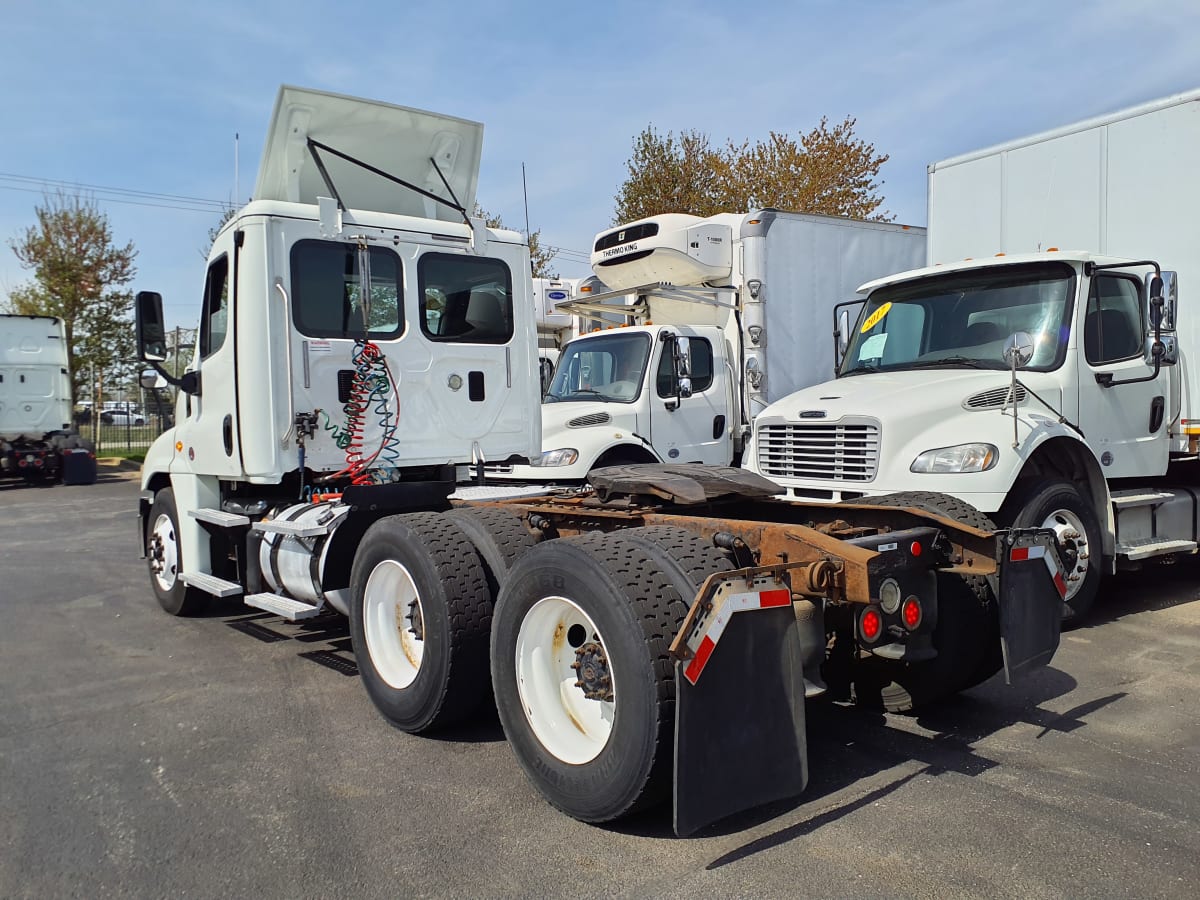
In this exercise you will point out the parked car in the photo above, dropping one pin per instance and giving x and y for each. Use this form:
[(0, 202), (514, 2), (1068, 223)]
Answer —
[(121, 417)]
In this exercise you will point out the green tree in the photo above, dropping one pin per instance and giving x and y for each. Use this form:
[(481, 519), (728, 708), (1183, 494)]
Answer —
[(826, 170), (539, 257), (78, 275)]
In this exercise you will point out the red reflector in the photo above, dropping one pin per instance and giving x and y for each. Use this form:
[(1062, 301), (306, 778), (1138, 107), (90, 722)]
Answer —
[(911, 613), (871, 624), (915, 549)]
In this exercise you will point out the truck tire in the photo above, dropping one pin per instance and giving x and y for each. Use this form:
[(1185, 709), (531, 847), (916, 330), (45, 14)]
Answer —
[(583, 680), (1060, 507), (498, 535), (690, 559), (165, 562), (967, 634), (419, 618)]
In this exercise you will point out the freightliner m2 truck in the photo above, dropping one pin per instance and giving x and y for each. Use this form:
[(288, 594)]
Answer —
[(1041, 368), (365, 349), (37, 440), (744, 297)]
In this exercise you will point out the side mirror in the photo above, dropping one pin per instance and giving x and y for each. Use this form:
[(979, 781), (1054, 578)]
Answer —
[(1018, 349), (842, 333), (151, 333), (151, 380), (683, 357), (685, 387), (1162, 293)]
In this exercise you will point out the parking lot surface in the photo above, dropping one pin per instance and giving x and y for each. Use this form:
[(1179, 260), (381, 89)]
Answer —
[(236, 754)]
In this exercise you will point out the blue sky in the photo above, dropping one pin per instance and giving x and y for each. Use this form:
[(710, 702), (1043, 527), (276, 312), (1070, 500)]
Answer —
[(148, 96)]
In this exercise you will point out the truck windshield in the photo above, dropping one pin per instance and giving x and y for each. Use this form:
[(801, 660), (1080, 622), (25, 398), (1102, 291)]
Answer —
[(961, 320), (611, 367)]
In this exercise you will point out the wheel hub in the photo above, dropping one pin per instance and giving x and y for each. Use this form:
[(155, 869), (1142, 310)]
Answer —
[(1072, 538), (591, 667), (416, 623)]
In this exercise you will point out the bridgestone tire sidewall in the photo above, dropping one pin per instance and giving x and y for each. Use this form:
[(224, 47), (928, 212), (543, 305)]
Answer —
[(415, 708), (612, 783), (1035, 504)]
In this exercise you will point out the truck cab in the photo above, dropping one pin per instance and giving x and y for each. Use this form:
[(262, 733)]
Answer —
[(356, 328), (1025, 385)]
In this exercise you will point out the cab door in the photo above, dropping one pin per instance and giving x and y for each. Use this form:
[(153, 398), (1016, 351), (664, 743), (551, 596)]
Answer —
[(208, 428), (1125, 424), (696, 428)]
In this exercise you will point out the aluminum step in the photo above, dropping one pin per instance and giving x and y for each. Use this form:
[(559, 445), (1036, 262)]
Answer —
[(211, 584), (1130, 499), (1154, 547), (219, 517), (292, 610), (291, 529)]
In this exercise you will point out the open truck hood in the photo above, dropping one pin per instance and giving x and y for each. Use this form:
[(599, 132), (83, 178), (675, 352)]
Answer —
[(395, 139)]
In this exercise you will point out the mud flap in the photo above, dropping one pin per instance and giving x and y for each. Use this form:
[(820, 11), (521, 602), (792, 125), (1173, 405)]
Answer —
[(1031, 599), (739, 714)]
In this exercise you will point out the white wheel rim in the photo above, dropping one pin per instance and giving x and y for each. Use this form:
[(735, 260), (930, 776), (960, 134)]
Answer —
[(391, 607), (1068, 528), (164, 552), (568, 724)]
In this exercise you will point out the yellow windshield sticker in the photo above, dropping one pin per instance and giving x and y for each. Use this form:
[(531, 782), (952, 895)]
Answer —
[(874, 318)]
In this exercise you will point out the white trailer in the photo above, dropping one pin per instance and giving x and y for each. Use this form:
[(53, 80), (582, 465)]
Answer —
[(1054, 245), (364, 349), (37, 439), (738, 299)]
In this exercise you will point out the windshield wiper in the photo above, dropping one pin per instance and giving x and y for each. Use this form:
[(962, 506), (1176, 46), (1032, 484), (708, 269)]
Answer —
[(858, 370), (965, 361)]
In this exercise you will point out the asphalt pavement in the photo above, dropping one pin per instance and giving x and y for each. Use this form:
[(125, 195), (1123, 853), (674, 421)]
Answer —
[(237, 755)]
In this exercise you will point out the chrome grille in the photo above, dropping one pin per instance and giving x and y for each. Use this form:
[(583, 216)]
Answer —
[(833, 451)]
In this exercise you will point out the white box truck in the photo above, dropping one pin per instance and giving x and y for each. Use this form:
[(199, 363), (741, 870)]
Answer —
[(1060, 254), (745, 294), (363, 348), (37, 440)]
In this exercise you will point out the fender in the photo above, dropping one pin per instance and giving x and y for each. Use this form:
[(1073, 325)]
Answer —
[(1067, 452)]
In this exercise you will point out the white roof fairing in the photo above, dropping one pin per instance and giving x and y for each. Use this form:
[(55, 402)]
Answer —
[(395, 139)]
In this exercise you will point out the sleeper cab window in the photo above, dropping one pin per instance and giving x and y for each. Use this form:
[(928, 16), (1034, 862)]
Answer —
[(467, 299), (332, 297)]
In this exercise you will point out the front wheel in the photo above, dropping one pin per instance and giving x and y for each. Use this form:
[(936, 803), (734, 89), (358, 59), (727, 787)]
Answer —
[(165, 561), (1060, 507)]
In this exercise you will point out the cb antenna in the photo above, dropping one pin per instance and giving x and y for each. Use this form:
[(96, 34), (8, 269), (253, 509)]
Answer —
[(237, 187), (525, 191)]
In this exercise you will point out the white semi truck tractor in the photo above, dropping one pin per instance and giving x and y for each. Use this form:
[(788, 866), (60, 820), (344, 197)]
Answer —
[(365, 350), (1041, 368), (38, 442), (741, 300)]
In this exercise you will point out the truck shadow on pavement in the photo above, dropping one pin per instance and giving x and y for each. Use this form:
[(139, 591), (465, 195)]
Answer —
[(337, 654)]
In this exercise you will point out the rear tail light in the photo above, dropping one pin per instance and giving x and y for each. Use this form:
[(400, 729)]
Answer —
[(911, 613), (870, 625)]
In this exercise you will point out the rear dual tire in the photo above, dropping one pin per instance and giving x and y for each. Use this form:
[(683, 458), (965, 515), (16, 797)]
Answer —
[(420, 614)]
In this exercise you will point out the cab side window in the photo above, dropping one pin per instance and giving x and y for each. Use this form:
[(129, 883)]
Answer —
[(467, 299), (701, 355), (1113, 327), (214, 321)]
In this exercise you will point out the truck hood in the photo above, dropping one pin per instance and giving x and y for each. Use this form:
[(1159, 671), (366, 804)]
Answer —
[(560, 420), (880, 393), (394, 139)]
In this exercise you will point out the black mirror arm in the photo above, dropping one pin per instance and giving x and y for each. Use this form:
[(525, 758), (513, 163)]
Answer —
[(188, 382)]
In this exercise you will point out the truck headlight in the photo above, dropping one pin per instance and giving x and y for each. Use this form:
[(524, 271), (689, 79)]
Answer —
[(959, 458), (565, 456)]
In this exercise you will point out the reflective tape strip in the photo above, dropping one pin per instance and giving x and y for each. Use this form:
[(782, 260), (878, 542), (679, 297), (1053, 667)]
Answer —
[(1021, 554), (734, 603)]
